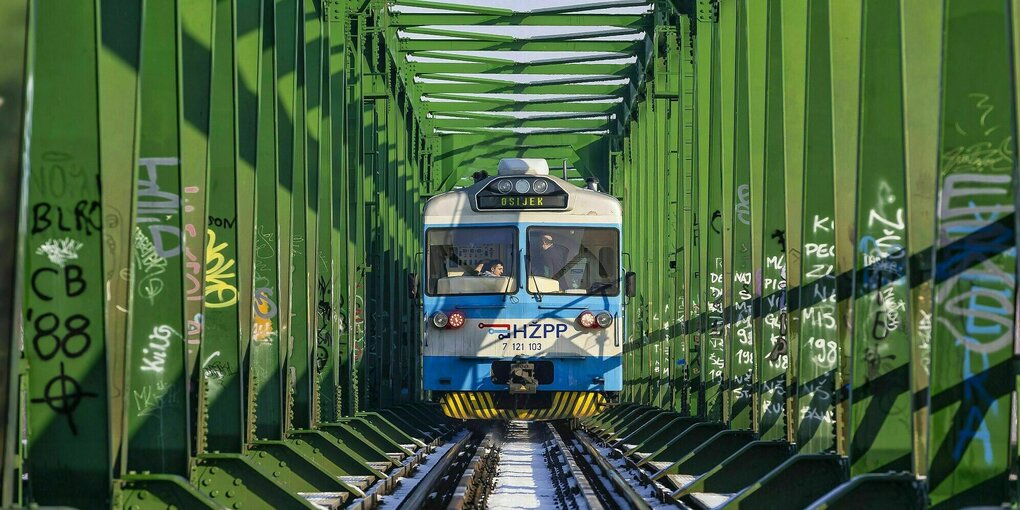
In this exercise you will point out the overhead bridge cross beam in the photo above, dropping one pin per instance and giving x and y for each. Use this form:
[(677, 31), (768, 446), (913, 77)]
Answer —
[(474, 42)]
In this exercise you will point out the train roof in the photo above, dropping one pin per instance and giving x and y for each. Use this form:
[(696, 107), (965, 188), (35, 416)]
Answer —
[(461, 206)]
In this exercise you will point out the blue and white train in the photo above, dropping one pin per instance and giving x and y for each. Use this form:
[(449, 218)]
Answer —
[(523, 291)]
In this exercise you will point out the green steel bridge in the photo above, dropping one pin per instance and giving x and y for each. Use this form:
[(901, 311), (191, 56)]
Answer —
[(210, 209)]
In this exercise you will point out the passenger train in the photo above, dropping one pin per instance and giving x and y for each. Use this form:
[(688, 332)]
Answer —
[(522, 296)]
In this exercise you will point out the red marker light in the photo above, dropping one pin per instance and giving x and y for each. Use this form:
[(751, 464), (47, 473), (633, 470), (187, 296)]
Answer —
[(587, 319), (456, 320)]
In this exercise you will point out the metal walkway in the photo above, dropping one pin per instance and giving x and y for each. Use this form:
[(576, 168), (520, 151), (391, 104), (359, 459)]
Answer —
[(209, 209)]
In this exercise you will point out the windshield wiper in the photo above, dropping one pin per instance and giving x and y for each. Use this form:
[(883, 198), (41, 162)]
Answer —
[(509, 279), (538, 293)]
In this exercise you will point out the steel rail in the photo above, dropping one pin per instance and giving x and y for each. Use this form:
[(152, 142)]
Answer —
[(634, 500), (587, 492), (416, 498), (471, 490)]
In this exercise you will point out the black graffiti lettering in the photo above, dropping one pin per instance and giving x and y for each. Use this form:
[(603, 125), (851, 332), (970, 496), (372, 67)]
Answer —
[(780, 237), (63, 394), (76, 326), (874, 361), (35, 283), (779, 349), (880, 329), (87, 217), (46, 328), (90, 220), (40, 217), (222, 222), (60, 221), (716, 215), (321, 357), (47, 343), (323, 335), (74, 284)]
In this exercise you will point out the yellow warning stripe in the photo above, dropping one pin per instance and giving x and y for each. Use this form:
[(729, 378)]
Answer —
[(481, 405)]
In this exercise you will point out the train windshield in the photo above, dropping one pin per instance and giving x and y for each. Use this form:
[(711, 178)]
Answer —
[(574, 260), (471, 260)]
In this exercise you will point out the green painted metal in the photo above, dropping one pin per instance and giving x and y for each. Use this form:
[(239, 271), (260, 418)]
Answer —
[(157, 426), (881, 352), (266, 372), (117, 70), (922, 51), (817, 352), (11, 116), (710, 184), (975, 261), (194, 24), (793, 15), (738, 218), (819, 203), (773, 345), (221, 411), (689, 263), (755, 25), (845, 44), (61, 303)]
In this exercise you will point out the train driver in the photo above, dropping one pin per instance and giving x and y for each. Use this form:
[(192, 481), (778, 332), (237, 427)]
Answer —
[(549, 260), (495, 269)]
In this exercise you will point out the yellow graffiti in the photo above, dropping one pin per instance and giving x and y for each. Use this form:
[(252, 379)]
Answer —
[(216, 267), (262, 329)]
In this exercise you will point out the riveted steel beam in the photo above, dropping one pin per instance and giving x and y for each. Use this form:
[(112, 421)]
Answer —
[(593, 32), (157, 417), (499, 79), (401, 19), (494, 44), (559, 124), (520, 88), (473, 105), (817, 352), (621, 69), (975, 263), (12, 72), (881, 350), (66, 400), (772, 346), (922, 55)]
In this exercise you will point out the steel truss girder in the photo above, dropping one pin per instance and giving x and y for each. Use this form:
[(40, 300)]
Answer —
[(416, 45), (398, 19), (479, 106), (478, 88)]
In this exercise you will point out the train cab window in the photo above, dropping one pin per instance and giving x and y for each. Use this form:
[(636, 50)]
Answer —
[(471, 260), (573, 260)]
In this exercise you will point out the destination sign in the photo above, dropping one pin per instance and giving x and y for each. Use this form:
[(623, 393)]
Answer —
[(558, 201)]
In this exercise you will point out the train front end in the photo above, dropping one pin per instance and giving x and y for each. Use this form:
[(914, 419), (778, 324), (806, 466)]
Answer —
[(522, 301)]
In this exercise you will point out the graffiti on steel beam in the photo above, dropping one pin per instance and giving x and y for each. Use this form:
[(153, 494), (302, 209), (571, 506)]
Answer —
[(217, 277)]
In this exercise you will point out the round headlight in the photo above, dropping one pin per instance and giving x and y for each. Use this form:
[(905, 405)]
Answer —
[(540, 185), (456, 320), (440, 320), (604, 319), (504, 186), (522, 186), (586, 319)]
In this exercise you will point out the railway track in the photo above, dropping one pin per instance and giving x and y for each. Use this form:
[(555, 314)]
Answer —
[(524, 465)]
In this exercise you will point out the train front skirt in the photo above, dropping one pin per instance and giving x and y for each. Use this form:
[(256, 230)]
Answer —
[(501, 405)]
